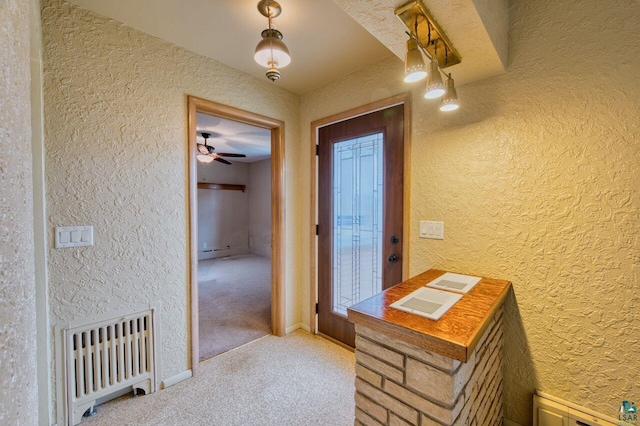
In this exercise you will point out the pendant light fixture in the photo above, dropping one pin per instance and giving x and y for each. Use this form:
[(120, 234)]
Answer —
[(271, 51), (450, 98)]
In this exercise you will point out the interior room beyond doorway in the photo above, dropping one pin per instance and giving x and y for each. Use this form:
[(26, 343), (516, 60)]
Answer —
[(234, 233)]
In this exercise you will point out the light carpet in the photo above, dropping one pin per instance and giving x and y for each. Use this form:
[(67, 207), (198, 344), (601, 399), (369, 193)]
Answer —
[(234, 302), (300, 379)]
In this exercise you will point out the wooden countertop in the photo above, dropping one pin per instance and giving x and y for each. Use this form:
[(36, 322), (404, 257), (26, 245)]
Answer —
[(454, 335)]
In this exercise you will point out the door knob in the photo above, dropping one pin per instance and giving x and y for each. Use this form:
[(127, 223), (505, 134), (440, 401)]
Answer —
[(392, 259)]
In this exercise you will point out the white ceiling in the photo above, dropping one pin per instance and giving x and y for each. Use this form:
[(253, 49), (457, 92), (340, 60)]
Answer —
[(327, 38), (325, 42), (235, 138)]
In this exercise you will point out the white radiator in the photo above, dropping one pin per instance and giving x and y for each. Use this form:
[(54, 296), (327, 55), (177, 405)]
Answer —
[(549, 410), (102, 356)]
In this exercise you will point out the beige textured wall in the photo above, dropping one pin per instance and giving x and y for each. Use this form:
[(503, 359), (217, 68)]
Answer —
[(116, 130), (223, 216), (259, 190), (536, 178), (18, 386)]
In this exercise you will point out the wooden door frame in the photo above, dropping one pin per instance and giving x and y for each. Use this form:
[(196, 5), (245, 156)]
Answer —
[(196, 105), (402, 99)]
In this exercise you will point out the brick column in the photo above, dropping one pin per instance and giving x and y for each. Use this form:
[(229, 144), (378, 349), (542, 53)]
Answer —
[(398, 384)]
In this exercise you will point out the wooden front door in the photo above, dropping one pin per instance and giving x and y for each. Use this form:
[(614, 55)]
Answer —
[(360, 184)]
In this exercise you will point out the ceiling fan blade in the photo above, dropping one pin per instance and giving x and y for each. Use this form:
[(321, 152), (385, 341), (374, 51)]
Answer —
[(227, 154), (222, 160)]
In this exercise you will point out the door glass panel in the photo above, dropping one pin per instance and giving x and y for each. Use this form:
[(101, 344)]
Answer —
[(357, 195)]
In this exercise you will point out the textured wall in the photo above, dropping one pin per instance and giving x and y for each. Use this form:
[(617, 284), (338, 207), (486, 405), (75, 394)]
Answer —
[(223, 216), (116, 131), (260, 207), (18, 387), (536, 178)]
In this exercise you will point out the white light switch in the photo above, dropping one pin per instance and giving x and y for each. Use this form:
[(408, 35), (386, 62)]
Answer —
[(62, 237), (433, 230), (423, 229), (73, 236)]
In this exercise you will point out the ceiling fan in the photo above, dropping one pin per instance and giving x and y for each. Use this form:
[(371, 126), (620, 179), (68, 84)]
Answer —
[(206, 153)]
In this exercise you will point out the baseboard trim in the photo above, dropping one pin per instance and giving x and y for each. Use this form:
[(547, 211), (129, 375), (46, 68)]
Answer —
[(173, 380), (507, 422), (297, 326)]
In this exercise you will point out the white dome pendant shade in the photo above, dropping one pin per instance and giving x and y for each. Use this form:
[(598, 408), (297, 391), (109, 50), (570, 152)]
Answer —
[(271, 52), (414, 67), (272, 49)]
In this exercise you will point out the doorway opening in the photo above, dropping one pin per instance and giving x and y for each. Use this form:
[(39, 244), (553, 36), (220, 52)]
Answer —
[(360, 179), (236, 232)]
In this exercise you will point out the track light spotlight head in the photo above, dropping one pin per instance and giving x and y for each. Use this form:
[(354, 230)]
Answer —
[(414, 67), (450, 98), (435, 86)]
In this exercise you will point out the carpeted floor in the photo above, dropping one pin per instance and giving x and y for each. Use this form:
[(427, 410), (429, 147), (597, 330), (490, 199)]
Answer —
[(234, 299), (300, 379)]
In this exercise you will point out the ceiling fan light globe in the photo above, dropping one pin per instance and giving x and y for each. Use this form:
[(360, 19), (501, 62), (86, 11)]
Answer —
[(204, 158)]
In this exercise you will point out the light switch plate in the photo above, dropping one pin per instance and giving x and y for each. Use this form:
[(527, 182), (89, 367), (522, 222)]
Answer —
[(74, 236), (432, 230)]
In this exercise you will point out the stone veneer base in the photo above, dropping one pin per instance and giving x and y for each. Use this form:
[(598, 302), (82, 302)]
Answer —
[(398, 384)]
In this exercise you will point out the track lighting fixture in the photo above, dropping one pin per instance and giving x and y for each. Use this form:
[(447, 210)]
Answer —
[(271, 51), (426, 37)]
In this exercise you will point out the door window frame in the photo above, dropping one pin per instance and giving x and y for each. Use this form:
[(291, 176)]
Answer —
[(402, 99)]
